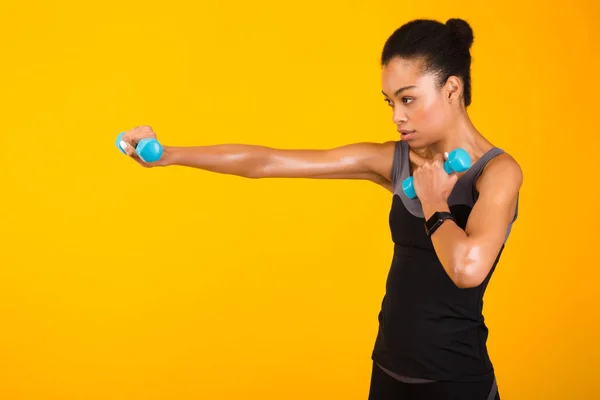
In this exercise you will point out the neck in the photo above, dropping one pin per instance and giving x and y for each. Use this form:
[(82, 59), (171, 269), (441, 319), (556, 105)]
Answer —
[(462, 134)]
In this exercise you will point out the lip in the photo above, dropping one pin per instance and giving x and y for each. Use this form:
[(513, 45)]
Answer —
[(406, 134)]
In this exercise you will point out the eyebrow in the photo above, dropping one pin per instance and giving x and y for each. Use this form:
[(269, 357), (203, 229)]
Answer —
[(397, 92)]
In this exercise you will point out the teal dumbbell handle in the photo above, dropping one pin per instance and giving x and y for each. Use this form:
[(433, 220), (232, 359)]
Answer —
[(149, 150), (458, 161)]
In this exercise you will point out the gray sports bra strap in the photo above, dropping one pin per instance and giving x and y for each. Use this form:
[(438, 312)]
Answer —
[(480, 166), (397, 163)]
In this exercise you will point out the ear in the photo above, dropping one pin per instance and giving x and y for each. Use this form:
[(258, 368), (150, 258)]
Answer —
[(453, 89)]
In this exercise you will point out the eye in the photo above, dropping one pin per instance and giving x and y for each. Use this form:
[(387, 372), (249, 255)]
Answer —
[(407, 100), (389, 102)]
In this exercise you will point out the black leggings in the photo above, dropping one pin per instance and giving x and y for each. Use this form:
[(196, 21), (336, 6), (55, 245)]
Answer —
[(384, 387)]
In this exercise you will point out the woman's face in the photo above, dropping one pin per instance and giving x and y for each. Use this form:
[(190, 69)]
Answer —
[(421, 112)]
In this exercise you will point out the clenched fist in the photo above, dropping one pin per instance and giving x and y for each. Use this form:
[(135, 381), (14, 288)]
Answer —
[(432, 184), (130, 140)]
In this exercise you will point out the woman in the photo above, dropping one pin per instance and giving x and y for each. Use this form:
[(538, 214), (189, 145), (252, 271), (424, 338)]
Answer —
[(432, 336)]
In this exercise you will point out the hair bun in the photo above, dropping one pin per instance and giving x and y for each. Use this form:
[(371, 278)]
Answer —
[(462, 30)]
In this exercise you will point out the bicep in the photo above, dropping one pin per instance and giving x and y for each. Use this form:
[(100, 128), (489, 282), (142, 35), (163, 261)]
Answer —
[(489, 221), (371, 161), (491, 216)]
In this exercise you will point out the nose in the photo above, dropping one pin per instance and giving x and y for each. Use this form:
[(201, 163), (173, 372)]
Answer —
[(399, 116)]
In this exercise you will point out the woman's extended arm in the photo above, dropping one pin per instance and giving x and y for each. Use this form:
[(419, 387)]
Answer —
[(365, 160)]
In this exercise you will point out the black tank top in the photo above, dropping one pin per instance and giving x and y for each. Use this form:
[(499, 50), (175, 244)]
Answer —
[(429, 329)]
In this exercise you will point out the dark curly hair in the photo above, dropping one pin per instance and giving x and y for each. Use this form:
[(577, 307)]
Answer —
[(444, 48)]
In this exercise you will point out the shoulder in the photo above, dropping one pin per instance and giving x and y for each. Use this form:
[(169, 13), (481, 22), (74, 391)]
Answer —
[(370, 149), (386, 148), (379, 157), (502, 176)]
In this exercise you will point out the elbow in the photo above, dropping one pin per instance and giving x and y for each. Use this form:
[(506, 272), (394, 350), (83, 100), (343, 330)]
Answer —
[(260, 165), (256, 167), (257, 171), (252, 174), (467, 281), (469, 270)]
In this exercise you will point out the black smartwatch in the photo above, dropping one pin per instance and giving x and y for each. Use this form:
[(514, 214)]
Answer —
[(436, 220)]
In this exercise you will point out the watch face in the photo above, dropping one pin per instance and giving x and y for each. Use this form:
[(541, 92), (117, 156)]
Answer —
[(436, 220)]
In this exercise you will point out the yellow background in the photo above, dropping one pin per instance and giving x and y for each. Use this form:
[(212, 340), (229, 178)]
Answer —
[(118, 282)]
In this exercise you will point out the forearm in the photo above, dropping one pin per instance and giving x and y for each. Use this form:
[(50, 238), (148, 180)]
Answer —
[(451, 245), (233, 159)]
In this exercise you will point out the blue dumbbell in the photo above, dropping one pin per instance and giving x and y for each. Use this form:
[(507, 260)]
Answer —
[(458, 161), (149, 150)]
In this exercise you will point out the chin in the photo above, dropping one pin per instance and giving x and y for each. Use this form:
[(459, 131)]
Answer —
[(415, 142), (419, 140)]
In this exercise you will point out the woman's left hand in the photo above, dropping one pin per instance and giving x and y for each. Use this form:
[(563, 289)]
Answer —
[(432, 184)]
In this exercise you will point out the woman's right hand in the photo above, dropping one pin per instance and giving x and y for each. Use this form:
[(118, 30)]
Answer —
[(132, 137)]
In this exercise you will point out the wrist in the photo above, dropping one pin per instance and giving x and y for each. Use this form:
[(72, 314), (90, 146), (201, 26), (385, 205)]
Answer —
[(430, 207), (169, 156)]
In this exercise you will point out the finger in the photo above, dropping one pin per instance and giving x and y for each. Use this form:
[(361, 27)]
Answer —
[(127, 147), (130, 151), (130, 138)]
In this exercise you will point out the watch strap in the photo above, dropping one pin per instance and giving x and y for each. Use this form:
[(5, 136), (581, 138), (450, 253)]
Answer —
[(436, 220)]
